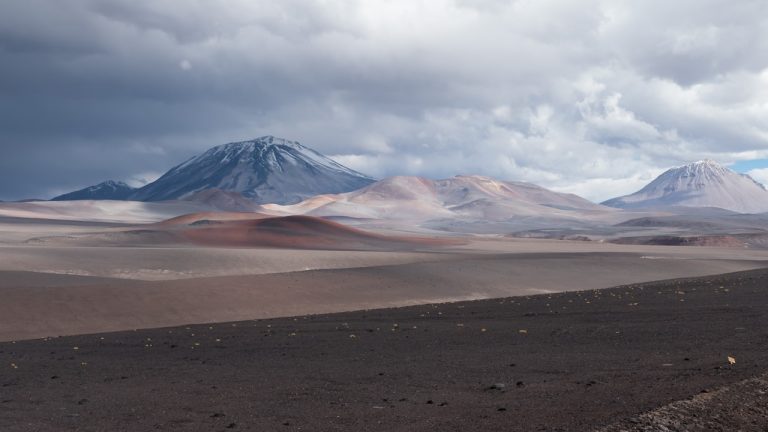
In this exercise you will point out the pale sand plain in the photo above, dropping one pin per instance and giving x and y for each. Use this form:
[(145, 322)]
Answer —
[(52, 288)]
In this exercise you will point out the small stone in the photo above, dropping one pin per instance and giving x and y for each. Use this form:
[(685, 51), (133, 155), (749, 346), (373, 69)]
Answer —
[(497, 386)]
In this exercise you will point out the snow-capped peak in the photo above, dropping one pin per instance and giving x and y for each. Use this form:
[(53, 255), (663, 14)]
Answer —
[(709, 170), (704, 183), (112, 184), (273, 151), (265, 169), (251, 145), (706, 167)]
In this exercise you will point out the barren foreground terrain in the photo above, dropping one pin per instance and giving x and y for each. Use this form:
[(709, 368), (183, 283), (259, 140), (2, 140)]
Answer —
[(483, 332), (575, 361)]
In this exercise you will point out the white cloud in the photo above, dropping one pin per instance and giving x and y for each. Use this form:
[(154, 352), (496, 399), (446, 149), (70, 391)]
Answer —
[(590, 97), (140, 179), (760, 174)]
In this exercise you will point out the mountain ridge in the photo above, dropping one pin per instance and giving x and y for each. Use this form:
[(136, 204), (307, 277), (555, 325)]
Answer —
[(412, 198), (106, 190)]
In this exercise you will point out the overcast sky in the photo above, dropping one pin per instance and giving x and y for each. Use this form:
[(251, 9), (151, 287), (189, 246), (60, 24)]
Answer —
[(590, 97)]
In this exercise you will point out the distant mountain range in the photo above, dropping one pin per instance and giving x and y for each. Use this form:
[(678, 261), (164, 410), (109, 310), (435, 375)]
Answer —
[(461, 198), (108, 190), (700, 184), (269, 170), (263, 170)]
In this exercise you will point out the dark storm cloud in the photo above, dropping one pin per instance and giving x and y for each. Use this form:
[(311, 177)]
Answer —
[(590, 97)]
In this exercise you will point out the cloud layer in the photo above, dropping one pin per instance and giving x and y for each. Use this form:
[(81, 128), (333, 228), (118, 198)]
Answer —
[(592, 97)]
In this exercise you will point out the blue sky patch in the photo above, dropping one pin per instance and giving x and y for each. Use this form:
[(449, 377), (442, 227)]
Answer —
[(744, 166)]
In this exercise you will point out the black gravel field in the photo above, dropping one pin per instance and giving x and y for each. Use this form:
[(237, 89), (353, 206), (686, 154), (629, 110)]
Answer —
[(573, 361)]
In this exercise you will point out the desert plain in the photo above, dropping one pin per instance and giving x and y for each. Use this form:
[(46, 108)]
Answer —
[(148, 320)]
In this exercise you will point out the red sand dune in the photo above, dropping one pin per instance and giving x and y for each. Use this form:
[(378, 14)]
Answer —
[(302, 232), (233, 229)]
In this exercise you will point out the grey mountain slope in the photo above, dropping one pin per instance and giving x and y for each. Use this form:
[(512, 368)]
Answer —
[(700, 184), (223, 200), (108, 190), (264, 170)]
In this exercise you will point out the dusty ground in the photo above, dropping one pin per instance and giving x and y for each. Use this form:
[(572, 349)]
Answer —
[(574, 361), (38, 305), (52, 288)]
